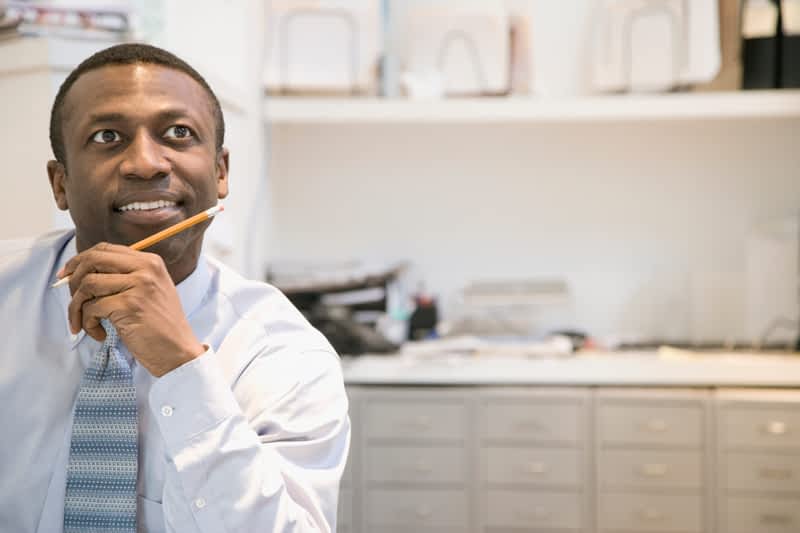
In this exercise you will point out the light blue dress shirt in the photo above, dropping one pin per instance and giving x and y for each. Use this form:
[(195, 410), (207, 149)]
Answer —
[(251, 436)]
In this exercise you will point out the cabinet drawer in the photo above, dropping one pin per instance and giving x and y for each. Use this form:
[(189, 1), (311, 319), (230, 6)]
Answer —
[(631, 511), (409, 420), (760, 428), (523, 509), (415, 464), (761, 472), (561, 423), (533, 466), (634, 468), (415, 508), (344, 518), (654, 425), (760, 515)]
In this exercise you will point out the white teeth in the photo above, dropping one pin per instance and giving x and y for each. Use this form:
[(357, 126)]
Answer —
[(146, 206)]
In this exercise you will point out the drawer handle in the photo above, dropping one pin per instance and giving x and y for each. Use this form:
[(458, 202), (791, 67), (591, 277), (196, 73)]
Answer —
[(653, 470), (420, 422), (654, 426), (423, 513), (422, 468), (650, 515), (775, 473), (529, 425), (776, 427), (536, 513), (770, 518), (535, 467)]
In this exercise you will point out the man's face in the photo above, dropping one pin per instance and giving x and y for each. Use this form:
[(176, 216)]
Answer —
[(140, 156)]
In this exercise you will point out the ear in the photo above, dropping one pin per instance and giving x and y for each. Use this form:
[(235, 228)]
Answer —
[(222, 173), (57, 173)]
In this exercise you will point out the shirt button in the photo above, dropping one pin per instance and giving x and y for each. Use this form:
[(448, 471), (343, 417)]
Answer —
[(200, 503), (166, 410)]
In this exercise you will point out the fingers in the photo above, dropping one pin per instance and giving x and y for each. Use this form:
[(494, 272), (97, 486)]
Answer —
[(94, 288), (106, 278), (109, 259), (102, 254)]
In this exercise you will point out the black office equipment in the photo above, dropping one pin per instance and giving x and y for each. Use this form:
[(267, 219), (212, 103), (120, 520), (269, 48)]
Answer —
[(761, 44), (790, 44)]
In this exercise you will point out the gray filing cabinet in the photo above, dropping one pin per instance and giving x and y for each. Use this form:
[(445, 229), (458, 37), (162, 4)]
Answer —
[(533, 454), (416, 467), (484, 459), (759, 461), (651, 459)]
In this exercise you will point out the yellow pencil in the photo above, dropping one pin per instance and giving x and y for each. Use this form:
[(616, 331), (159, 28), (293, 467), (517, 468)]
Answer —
[(165, 233)]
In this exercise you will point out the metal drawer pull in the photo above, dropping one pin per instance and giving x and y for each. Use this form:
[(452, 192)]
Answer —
[(423, 512), (769, 518), (653, 470), (535, 467), (776, 473), (650, 515), (537, 513), (654, 426), (776, 427), (529, 425), (422, 468), (420, 422)]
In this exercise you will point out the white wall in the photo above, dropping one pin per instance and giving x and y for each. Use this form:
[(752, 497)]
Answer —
[(647, 222)]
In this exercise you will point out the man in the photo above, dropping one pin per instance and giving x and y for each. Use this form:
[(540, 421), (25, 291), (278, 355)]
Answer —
[(240, 420)]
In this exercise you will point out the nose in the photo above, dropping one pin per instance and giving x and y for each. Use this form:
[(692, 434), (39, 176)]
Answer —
[(144, 158)]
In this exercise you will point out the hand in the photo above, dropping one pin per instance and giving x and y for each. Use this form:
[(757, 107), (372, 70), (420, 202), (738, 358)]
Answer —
[(135, 291)]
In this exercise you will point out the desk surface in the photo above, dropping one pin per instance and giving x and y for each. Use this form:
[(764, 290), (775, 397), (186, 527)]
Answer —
[(599, 368)]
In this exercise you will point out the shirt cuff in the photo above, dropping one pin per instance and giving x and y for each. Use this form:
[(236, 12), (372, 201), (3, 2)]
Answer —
[(190, 400)]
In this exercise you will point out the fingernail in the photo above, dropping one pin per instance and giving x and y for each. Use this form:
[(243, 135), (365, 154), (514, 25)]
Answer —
[(60, 273)]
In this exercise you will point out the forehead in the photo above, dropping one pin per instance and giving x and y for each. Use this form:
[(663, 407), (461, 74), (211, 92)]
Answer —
[(135, 88)]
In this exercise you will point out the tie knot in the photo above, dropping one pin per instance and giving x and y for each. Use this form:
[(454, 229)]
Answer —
[(111, 332)]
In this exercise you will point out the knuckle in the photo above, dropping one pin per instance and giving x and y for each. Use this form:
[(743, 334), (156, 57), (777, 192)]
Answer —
[(89, 284), (155, 261), (143, 278)]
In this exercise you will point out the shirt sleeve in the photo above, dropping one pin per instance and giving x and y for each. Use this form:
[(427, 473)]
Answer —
[(250, 459)]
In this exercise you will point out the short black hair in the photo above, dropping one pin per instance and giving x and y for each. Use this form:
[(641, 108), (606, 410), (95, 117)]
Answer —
[(127, 54)]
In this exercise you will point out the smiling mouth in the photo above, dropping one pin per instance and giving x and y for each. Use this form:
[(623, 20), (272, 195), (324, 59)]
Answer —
[(146, 206)]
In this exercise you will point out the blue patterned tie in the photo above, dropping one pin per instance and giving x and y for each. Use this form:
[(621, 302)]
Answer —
[(102, 468)]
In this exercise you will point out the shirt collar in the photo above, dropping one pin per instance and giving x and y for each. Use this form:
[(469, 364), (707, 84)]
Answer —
[(191, 290)]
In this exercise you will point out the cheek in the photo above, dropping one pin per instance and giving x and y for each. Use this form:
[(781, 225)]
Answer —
[(203, 178), (88, 190)]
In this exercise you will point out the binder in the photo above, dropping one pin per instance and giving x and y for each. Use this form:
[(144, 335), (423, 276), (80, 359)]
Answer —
[(790, 44), (761, 44)]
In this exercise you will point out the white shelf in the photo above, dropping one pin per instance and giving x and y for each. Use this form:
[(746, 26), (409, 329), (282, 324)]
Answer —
[(679, 106)]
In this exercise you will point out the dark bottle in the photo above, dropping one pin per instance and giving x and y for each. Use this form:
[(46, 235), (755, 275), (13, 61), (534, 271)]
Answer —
[(422, 323)]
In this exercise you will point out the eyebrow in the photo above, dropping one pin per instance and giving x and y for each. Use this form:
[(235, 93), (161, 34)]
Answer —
[(167, 114), (105, 117)]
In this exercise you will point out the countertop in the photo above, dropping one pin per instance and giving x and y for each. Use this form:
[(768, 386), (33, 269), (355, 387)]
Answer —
[(656, 368)]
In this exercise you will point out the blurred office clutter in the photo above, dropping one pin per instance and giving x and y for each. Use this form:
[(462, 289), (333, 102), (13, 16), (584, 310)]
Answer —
[(360, 306), (71, 20), (510, 308), (773, 282), (332, 46), (771, 50), (655, 45), (425, 49), (8, 23), (452, 49)]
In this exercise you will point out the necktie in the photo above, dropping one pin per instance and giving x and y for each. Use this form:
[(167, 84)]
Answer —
[(102, 467)]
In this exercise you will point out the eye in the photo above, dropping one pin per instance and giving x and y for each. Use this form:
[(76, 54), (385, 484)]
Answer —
[(178, 132), (106, 136)]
